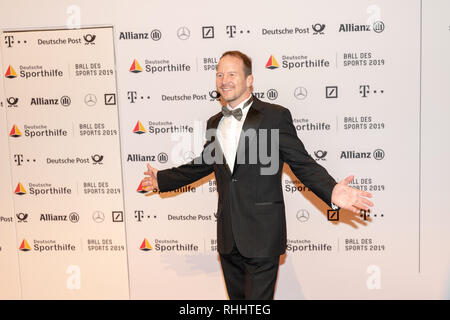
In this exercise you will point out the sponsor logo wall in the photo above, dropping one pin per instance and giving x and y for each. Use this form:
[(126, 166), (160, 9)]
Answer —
[(64, 161), (84, 109)]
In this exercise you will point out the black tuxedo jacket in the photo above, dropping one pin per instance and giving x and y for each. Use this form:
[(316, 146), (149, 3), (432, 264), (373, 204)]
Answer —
[(251, 209)]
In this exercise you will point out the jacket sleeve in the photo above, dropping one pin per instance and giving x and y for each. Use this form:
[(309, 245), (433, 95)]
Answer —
[(305, 168), (177, 177)]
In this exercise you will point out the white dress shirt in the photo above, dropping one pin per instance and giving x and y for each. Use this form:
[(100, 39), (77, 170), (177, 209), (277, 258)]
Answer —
[(229, 131)]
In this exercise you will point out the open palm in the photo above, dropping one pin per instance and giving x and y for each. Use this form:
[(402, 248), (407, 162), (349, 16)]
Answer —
[(150, 182), (350, 198)]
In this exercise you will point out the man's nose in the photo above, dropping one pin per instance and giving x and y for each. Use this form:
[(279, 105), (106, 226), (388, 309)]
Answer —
[(225, 79)]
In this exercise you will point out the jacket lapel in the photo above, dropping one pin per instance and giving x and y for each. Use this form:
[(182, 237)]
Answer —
[(214, 125), (252, 122)]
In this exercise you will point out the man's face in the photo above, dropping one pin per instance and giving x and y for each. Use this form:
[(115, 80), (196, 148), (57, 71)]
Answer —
[(231, 82)]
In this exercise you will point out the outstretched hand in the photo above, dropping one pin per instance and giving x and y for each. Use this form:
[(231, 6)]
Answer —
[(151, 182), (350, 198)]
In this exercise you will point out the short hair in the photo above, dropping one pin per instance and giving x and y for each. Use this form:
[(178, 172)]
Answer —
[(245, 59)]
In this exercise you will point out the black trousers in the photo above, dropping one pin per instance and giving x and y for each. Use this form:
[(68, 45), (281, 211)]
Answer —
[(249, 278)]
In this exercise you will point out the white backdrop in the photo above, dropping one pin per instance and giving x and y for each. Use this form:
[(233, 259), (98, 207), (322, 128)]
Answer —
[(134, 83)]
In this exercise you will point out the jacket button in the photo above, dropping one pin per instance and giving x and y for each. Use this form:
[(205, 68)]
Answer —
[(234, 180)]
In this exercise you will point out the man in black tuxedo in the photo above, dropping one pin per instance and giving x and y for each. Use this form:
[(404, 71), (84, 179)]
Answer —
[(247, 144)]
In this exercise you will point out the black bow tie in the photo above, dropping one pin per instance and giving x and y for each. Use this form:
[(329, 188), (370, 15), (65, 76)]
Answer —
[(237, 113)]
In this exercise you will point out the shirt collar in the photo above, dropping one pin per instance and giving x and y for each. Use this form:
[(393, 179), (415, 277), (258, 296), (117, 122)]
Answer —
[(240, 105)]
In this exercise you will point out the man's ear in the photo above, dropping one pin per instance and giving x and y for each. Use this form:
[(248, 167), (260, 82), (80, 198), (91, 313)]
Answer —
[(249, 81)]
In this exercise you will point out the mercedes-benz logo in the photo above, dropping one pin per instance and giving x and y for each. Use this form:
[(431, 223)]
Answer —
[(98, 216), (302, 215), (90, 99), (300, 93), (183, 33)]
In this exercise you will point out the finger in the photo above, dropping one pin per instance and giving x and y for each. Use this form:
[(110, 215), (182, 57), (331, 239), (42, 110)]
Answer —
[(349, 179), (150, 187), (360, 206), (367, 202), (148, 173), (149, 169), (365, 194), (354, 210), (147, 184)]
